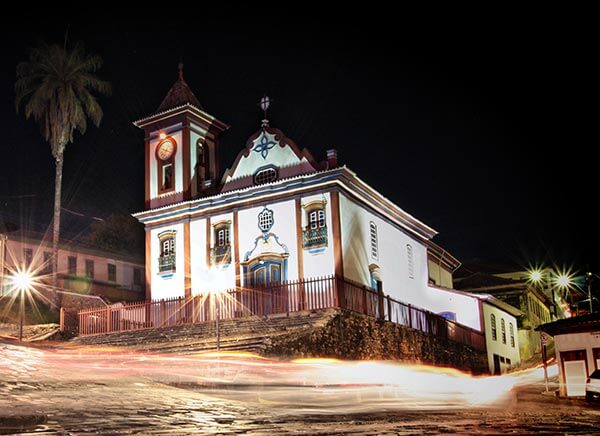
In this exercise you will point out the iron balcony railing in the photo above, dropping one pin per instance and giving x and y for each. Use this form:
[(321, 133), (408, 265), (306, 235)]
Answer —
[(314, 237), (220, 255), (166, 263)]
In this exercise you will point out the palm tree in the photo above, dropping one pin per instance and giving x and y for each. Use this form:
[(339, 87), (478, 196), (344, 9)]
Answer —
[(56, 87)]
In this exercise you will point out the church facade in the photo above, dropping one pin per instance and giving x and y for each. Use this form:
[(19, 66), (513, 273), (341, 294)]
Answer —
[(277, 214)]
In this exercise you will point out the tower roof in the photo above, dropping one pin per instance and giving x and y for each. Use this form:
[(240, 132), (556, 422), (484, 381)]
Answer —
[(179, 95)]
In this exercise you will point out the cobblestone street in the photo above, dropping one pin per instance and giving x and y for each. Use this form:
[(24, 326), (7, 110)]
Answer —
[(57, 391)]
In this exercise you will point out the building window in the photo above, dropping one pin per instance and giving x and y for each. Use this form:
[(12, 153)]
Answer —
[(493, 322), (47, 269), (167, 258), (89, 268), (374, 242), (72, 266), (112, 272), (137, 276), (511, 330), (411, 265), (315, 233), (221, 250), (503, 330), (265, 220), (265, 175), (28, 256)]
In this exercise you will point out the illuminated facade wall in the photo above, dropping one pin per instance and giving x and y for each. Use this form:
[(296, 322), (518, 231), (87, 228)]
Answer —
[(500, 343)]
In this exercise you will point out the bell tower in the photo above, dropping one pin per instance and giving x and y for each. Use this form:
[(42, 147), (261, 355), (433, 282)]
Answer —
[(181, 148)]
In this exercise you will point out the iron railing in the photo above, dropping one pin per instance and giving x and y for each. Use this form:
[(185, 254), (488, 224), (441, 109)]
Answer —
[(166, 263), (275, 298), (314, 237), (220, 254)]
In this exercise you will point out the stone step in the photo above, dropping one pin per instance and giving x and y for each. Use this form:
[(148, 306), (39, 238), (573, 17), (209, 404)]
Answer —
[(247, 334)]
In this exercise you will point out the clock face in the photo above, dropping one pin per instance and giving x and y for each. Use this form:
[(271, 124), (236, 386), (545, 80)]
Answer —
[(165, 149)]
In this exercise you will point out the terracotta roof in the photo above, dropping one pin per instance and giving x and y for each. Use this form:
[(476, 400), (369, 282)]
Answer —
[(575, 324), (179, 94)]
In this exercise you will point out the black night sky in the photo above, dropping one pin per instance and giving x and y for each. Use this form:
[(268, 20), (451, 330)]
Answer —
[(474, 121)]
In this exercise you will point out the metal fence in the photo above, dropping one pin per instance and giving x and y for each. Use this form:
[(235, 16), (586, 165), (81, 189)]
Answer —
[(275, 298)]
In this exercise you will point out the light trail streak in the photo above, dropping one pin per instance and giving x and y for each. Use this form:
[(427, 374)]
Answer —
[(299, 386)]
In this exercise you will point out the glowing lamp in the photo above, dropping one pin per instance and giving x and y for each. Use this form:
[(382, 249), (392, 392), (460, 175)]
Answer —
[(535, 276), (22, 280), (162, 135), (563, 280)]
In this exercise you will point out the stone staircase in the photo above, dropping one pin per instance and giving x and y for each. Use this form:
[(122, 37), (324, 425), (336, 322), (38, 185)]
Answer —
[(245, 334)]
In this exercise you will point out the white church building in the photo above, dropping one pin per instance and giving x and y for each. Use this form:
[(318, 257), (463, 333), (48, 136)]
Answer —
[(277, 215)]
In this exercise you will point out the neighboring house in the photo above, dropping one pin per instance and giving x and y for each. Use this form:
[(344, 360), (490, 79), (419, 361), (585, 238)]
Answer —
[(520, 294), (277, 214), (81, 269), (577, 347), (501, 337)]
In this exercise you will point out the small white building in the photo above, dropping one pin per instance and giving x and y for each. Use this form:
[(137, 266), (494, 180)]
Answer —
[(577, 347), (501, 335)]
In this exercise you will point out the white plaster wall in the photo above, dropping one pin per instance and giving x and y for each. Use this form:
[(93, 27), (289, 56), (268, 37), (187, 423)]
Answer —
[(392, 261), (177, 136), (284, 226), (199, 267), (321, 263), (278, 156), (578, 341), (497, 347), (167, 286)]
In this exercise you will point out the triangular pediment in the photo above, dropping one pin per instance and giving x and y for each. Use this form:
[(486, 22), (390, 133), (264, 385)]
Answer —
[(269, 148)]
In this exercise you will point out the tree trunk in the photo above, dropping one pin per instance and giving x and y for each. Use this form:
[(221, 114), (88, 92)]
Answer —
[(56, 221)]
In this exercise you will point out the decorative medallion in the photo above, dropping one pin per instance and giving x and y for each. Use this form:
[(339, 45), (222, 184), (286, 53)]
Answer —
[(264, 145), (265, 220)]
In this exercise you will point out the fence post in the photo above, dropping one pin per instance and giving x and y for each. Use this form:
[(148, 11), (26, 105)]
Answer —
[(62, 319), (389, 305), (380, 297), (341, 294), (108, 315), (409, 316)]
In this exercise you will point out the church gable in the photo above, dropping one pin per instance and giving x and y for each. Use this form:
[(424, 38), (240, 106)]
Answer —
[(269, 155)]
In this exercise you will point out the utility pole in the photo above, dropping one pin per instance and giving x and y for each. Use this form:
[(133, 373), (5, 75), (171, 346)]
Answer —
[(588, 280)]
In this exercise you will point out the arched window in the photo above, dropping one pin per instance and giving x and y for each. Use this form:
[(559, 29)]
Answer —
[(511, 330), (316, 219), (374, 241), (493, 322), (167, 260), (411, 265), (503, 329)]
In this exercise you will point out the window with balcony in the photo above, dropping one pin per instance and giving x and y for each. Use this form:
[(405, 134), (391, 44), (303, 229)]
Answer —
[(221, 249), (167, 259), (314, 234)]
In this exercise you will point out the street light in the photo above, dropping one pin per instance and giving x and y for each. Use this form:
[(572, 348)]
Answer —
[(22, 281)]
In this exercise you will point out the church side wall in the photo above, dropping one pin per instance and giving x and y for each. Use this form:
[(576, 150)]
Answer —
[(391, 265)]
